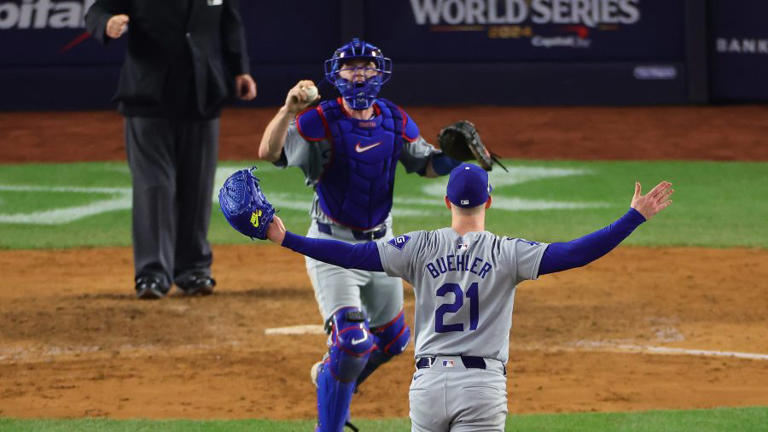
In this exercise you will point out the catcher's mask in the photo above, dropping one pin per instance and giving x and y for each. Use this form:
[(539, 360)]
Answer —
[(358, 94)]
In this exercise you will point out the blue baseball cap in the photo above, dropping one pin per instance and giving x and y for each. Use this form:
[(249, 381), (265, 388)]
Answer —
[(468, 186)]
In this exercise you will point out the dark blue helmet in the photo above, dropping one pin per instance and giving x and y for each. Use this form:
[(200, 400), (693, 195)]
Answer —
[(359, 95)]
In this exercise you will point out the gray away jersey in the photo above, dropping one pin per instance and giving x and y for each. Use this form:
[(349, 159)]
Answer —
[(464, 287)]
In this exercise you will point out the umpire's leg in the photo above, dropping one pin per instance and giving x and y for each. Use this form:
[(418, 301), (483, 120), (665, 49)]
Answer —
[(196, 154), (149, 144)]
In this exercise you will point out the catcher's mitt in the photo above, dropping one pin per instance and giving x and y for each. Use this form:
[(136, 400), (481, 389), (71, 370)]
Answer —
[(461, 141), (244, 204)]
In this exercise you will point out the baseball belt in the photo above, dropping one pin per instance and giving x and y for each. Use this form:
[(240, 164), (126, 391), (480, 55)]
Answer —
[(359, 235), (469, 362)]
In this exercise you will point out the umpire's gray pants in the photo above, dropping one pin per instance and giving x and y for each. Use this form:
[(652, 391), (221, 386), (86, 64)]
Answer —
[(173, 164), (450, 397)]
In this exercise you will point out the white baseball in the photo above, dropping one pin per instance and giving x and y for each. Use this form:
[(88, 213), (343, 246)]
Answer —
[(311, 92)]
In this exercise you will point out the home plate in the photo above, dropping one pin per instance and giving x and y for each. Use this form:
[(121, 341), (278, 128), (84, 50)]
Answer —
[(296, 330)]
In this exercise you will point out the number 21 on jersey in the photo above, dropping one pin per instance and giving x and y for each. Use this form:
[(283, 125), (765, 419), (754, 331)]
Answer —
[(452, 308)]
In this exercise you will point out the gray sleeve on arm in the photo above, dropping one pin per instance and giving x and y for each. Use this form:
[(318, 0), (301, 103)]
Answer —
[(527, 257), (311, 157), (399, 254), (416, 155)]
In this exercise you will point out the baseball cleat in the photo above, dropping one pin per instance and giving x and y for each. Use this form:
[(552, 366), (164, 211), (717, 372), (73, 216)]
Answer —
[(315, 371), (197, 284), (150, 288)]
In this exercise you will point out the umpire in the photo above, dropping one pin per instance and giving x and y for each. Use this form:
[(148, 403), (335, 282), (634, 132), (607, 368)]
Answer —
[(185, 58)]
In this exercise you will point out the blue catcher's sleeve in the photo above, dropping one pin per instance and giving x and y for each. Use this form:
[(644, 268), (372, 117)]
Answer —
[(361, 256), (443, 164), (582, 251), (311, 124), (410, 128)]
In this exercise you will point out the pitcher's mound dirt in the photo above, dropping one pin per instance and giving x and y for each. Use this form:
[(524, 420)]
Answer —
[(75, 342)]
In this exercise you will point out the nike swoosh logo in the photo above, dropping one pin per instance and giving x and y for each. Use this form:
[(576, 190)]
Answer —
[(360, 149), (357, 341)]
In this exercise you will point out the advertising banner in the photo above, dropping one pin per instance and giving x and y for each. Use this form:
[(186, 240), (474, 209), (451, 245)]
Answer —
[(528, 30), (50, 33), (559, 51), (739, 50)]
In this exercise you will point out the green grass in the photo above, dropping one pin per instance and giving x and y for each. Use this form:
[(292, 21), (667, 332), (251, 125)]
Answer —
[(714, 420), (716, 204)]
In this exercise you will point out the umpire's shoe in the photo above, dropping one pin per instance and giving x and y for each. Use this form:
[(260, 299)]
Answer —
[(150, 288), (196, 284)]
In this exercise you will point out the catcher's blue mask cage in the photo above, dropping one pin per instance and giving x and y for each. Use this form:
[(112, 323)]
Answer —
[(359, 95)]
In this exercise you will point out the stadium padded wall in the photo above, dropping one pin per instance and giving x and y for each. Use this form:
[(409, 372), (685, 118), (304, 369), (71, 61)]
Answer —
[(738, 42), (515, 52)]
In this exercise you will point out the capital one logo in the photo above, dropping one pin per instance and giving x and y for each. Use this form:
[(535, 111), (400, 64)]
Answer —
[(41, 14)]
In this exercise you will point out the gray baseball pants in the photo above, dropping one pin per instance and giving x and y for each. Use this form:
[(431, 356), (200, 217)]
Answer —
[(450, 397)]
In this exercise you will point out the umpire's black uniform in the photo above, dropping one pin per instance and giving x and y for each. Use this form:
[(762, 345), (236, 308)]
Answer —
[(182, 58)]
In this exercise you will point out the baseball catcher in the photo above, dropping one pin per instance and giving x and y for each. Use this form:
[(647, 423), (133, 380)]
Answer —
[(244, 204), (461, 141)]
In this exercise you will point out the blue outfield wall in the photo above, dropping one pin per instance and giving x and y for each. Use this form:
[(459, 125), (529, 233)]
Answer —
[(529, 52)]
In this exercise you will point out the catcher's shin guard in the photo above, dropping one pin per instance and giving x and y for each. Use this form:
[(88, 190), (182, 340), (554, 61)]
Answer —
[(351, 344), (391, 340)]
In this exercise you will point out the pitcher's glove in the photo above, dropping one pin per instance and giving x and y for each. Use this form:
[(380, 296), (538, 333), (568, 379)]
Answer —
[(244, 204), (461, 141)]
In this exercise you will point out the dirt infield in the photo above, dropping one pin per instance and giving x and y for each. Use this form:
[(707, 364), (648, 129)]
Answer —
[(709, 133), (74, 342)]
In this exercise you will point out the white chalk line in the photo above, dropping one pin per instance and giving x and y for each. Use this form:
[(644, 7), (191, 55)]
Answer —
[(40, 353), (661, 350), (47, 352), (120, 198), (296, 330), (578, 346)]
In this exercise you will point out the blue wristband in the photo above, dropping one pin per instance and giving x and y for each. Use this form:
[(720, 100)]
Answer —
[(443, 164)]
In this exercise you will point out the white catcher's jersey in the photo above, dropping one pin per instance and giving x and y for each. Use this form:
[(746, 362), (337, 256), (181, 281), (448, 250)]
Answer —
[(464, 287)]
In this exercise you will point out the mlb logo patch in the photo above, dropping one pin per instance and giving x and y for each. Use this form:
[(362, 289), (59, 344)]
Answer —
[(462, 246), (400, 241), (448, 363)]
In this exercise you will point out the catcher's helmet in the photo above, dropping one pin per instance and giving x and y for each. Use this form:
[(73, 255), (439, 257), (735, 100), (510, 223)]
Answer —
[(359, 95)]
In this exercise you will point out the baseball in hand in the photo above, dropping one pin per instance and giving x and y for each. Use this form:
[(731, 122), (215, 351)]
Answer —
[(311, 92)]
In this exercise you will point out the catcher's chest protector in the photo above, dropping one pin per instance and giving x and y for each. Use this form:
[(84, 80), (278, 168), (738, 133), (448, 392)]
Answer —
[(355, 188)]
